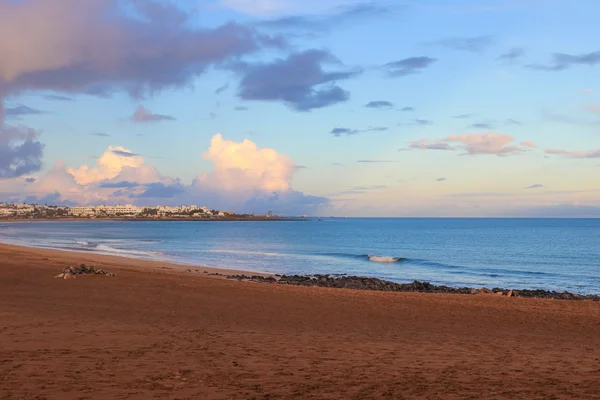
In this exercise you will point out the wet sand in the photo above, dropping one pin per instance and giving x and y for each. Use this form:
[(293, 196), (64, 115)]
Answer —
[(159, 331)]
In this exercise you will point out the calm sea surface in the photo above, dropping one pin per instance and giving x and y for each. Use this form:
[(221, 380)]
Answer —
[(559, 254)]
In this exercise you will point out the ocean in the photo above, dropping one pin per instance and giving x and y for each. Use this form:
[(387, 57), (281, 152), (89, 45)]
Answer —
[(551, 254)]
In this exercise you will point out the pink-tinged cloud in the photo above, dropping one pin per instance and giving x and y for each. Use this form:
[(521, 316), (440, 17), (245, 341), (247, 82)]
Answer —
[(476, 144), (575, 154), (98, 46), (593, 108), (143, 115), (528, 143), (244, 178)]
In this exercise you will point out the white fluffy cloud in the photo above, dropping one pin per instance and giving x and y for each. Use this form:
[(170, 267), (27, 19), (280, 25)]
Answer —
[(245, 178)]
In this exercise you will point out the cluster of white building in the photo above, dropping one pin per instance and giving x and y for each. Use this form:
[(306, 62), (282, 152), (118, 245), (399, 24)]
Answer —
[(131, 210), (19, 210)]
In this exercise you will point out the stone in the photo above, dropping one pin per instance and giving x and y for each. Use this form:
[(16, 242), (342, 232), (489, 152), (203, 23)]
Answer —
[(59, 276), (69, 276), (499, 294), (509, 294)]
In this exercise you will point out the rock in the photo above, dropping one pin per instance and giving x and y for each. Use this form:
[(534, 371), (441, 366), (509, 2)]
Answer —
[(69, 276), (485, 290), (59, 276), (509, 294), (499, 294)]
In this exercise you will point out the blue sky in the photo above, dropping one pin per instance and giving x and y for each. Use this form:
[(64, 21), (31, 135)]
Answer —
[(477, 108)]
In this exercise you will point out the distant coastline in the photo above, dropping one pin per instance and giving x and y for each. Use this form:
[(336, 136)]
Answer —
[(221, 219)]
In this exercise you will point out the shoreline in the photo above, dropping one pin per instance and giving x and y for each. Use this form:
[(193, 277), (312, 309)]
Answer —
[(329, 281), (220, 219)]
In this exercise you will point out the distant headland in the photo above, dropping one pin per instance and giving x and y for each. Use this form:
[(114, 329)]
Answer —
[(16, 211)]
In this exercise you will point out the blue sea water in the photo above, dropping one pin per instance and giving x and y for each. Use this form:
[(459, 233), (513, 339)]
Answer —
[(555, 254)]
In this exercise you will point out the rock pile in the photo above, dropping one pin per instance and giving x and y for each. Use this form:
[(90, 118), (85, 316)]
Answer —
[(364, 283), (72, 272)]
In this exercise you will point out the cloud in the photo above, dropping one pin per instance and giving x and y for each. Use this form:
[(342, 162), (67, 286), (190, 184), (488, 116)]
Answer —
[(241, 108), (100, 134), (20, 152), (528, 143), (347, 131), (483, 125), (464, 116), (475, 144), (379, 104), (474, 44), (21, 110), (375, 161), (565, 119), (58, 97), (441, 179), (426, 144), (535, 186), (125, 153), (408, 66), (221, 89), (30, 180), (143, 115), (339, 15), (512, 55), (244, 178), (406, 109), (420, 122), (563, 61), (337, 164), (300, 80), (119, 185), (574, 154), (102, 46)]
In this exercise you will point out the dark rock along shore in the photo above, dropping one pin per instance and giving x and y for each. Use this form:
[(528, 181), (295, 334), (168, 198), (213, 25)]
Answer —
[(365, 283)]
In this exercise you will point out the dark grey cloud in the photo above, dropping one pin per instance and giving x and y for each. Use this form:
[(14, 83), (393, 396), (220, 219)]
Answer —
[(124, 153), (536, 186), (20, 152), (441, 179), (58, 97), (241, 108), (145, 50), (143, 115), (408, 66), (221, 89), (119, 185), (474, 44), (512, 55), (100, 134), (322, 23), (562, 61), (347, 131), (30, 180), (484, 125), (300, 80), (21, 110), (406, 109), (379, 104)]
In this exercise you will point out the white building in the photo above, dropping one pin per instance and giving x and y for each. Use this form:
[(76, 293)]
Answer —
[(87, 211)]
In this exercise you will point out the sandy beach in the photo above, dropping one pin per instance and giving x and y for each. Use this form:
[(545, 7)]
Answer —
[(158, 331)]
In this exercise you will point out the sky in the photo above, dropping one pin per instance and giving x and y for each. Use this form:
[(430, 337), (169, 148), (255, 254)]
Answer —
[(430, 108)]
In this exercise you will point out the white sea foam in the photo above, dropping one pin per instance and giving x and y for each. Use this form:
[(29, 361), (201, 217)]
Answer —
[(383, 259), (107, 249)]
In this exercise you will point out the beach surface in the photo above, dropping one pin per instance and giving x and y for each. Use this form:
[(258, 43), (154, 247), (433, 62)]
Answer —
[(159, 330)]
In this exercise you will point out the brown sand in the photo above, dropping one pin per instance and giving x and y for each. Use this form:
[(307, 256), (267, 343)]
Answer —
[(179, 335)]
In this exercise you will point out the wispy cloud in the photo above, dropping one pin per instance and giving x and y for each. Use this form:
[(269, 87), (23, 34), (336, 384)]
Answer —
[(100, 134), (535, 186), (475, 144), (241, 108), (124, 153), (375, 161), (574, 154), (22, 110), (379, 104), (221, 89), (441, 179), (475, 44), (512, 55), (464, 116), (58, 97), (143, 115), (407, 109), (347, 131), (408, 66), (563, 61)]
